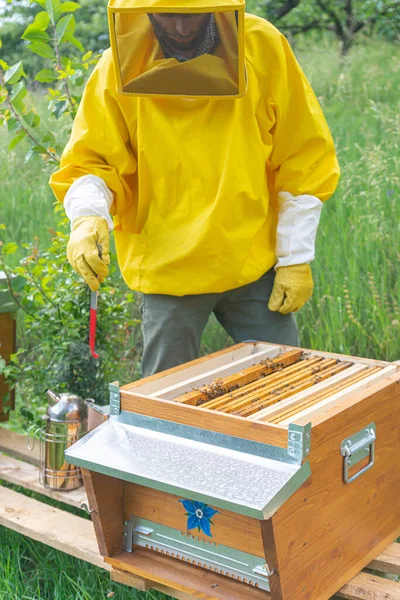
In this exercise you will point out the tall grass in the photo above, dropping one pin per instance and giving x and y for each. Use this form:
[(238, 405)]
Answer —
[(356, 305)]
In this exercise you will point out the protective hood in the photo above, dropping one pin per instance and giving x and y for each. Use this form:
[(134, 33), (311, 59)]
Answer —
[(170, 48)]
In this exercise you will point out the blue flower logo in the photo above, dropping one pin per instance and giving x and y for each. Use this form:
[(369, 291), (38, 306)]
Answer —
[(199, 515)]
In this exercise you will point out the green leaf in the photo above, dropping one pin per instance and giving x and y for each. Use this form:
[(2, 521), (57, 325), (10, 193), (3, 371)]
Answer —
[(19, 105), (65, 27), (18, 92), (69, 7), (10, 248), (48, 139), (42, 49), (59, 108), (16, 140), (87, 55), (4, 65), (13, 125), (53, 9), (14, 73), (32, 119), (32, 34), (46, 75), (3, 226), (42, 20), (76, 43), (1, 44)]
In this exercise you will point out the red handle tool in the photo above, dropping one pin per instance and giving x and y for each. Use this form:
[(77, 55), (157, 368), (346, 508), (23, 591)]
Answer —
[(93, 316)]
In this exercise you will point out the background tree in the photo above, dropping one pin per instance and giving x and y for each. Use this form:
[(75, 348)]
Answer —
[(346, 19)]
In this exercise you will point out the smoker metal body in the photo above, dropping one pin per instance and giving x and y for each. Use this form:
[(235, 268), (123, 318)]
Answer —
[(66, 423), (248, 506)]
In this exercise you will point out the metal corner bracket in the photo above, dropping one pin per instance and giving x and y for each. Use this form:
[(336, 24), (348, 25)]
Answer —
[(299, 441), (115, 398)]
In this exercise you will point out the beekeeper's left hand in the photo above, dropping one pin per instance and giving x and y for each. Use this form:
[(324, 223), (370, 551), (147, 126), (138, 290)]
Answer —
[(293, 286)]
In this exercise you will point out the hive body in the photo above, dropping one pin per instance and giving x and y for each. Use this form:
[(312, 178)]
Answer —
[(266, 470)]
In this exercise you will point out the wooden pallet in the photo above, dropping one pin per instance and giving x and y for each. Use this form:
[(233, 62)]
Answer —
[(75, 535)]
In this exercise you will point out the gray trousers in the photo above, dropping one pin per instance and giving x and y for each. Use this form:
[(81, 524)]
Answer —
[(172, 326)]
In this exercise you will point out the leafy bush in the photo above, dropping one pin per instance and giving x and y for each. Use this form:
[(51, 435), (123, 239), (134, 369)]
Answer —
[(54, 305)]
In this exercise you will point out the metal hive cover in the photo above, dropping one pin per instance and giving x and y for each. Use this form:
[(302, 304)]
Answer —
[(232, 480)]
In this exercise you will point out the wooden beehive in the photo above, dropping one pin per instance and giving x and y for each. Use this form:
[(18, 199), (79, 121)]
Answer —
[(7, 344), (287, 458)]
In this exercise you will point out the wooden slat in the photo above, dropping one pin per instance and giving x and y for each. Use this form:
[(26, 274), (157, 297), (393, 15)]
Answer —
[(305, 381), (372, 362), (270, 382), (52, 526), (240, 377), (21, 473), (365, 586), (271, 411), (15, 444), (388, 561), (287, 414), (328, 407), (231, 372)]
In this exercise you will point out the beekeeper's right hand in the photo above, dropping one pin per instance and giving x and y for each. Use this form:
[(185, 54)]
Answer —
[(87, 235)]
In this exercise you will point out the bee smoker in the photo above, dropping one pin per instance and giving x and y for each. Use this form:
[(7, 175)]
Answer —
[(66, 423)]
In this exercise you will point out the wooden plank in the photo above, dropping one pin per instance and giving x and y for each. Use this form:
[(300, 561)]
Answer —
[(52, 526), (143, 585), (16, 445), (250, 376), (105, 499), (270, 382), (372, 362), (21, 473), (184, 577), (271, 411), (210, 420), (327, 531), (287, 415), (293, 385), (322, 408), (388, 561), (231, 529), (366, 586), (232, 371)]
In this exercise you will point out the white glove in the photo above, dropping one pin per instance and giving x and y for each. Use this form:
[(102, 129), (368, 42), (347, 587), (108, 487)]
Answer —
[(298, 222), (89, 196)]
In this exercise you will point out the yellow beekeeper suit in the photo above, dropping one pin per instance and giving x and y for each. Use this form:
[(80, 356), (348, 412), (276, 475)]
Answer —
[(197, 184)]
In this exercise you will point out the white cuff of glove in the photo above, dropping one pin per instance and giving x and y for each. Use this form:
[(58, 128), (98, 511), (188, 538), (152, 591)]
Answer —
[(298, 222), (89, 196)]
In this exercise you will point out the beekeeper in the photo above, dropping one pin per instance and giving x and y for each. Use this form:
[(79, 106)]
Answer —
[(200, 142)]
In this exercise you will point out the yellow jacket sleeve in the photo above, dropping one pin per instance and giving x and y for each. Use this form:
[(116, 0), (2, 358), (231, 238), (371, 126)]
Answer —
[(100, 142), (303, 158)]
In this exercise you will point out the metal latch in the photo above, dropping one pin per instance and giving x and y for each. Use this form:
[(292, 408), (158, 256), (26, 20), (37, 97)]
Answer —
[(356, 448)]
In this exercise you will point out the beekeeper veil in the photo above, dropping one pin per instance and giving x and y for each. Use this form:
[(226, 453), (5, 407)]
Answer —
[(188, 48)]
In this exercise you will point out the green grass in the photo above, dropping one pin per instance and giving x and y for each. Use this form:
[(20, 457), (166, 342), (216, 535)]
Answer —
[(356, 305)]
